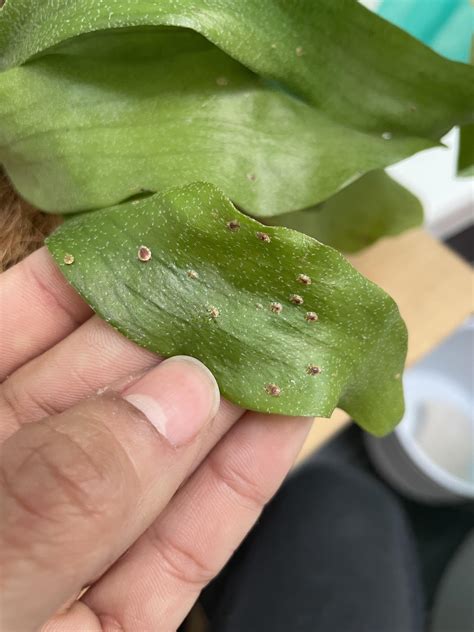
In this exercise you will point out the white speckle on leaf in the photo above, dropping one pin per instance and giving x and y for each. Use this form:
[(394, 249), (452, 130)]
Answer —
[(252, 177), (299, 51), (387, 135), (68, 259), (192, 274)]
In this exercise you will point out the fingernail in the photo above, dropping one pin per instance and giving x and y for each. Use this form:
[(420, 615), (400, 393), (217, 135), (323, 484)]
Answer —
[(178, 397)]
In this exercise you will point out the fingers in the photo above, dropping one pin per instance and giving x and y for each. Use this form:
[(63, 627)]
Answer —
[(77, 489), (155, 584), (37, 309), (93, 356)]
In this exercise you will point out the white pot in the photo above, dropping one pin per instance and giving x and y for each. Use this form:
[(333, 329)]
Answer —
[(430, 455)]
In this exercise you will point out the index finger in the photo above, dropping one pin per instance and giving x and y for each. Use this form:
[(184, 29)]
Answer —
[(38, 308)]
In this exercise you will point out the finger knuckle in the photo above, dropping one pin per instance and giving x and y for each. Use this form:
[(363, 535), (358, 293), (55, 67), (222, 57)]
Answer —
[(181, 561), (23, 404), (237, 475), (50, 478), (109, 623)]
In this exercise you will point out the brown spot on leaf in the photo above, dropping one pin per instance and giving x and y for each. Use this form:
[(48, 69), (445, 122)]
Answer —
[(213, 312), (273, 389), (144, 253), (296, 299), (233, 225), (304, 279)]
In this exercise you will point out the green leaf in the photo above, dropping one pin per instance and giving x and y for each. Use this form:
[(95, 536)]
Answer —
[(466, 151), (371, 207), (108, 116), (338, 56), (465, 166), (115, 113), (221, 293)]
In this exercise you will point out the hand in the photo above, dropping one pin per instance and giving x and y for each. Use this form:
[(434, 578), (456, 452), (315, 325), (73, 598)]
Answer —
[(141, 491)]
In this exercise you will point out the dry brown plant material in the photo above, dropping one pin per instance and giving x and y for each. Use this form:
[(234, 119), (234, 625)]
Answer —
[(22, 227)]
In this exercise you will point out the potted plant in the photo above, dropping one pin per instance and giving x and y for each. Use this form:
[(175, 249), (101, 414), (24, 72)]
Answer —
[(182, 141)]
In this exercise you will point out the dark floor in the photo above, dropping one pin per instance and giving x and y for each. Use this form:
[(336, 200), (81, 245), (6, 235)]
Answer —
[(439, 531), (463, 243)]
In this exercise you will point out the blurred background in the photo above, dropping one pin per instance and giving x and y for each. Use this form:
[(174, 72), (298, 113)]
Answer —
[(437, 434), (369, 534), (429, 459), (447, 27)]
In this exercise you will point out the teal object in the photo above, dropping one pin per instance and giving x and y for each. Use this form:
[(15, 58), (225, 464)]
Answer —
[(447, 26)]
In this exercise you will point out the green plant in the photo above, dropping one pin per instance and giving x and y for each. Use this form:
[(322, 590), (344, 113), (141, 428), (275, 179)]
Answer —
[(291, 110)]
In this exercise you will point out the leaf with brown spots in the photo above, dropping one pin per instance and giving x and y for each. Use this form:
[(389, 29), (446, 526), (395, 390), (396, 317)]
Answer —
[(269, 360)]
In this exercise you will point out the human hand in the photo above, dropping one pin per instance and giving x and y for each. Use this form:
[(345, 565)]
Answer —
[(141, 491)]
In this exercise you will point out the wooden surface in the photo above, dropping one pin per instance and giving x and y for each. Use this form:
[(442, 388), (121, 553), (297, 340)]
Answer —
[(434, 291)]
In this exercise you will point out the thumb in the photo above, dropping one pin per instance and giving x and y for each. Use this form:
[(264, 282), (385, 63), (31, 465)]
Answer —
[(78, 488)]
